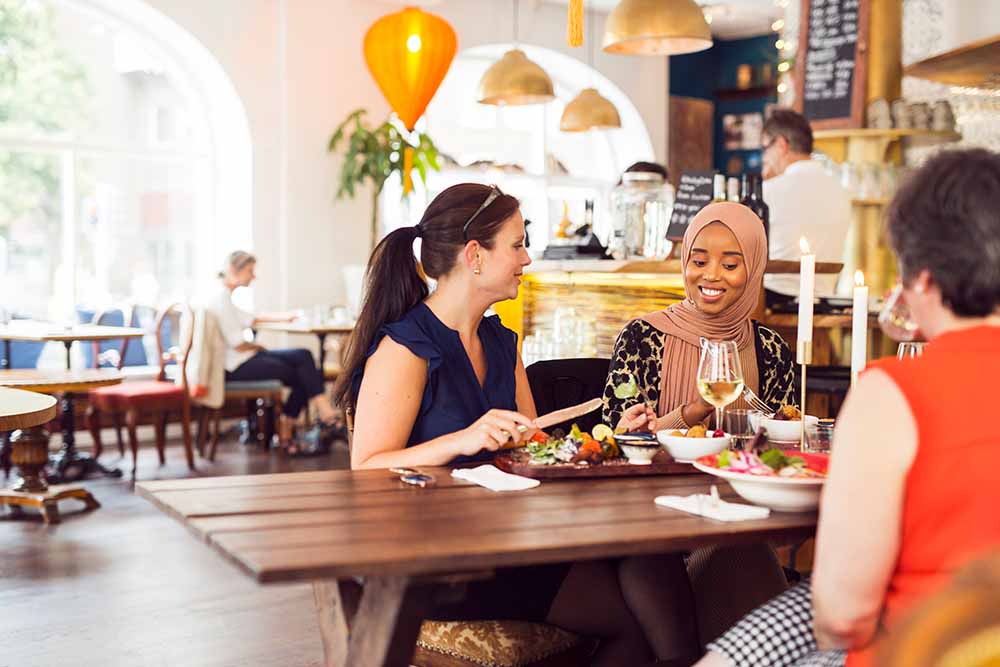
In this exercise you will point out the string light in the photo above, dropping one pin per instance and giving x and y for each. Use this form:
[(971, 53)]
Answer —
[(782, 87), (780, 44), (784, 66), (778, 25)]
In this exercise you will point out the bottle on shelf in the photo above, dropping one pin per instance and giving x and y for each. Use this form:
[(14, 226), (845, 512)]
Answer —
[(752, 197), (719, 187), (733, 189)]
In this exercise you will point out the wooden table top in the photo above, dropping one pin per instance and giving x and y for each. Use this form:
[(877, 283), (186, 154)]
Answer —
[(340, 523), (24, 409), (53, 332), (304, 327), (46, 380), (820, 321)]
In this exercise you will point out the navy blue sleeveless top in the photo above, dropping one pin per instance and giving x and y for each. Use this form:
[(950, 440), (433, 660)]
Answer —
[(453, 398)]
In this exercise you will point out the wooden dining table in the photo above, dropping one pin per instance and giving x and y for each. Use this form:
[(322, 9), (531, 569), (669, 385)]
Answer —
[(321, 331), (407, 546), (42, 332)]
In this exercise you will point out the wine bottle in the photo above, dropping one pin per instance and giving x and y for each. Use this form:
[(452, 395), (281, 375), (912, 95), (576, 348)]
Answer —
[(719, 188), (752, 197), (733, 189)]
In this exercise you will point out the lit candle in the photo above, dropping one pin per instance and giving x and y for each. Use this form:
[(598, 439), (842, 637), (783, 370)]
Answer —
[(807, 284), (859, 327)]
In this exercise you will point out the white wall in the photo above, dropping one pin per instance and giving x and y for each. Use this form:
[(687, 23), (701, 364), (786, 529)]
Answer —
[(298, 67)]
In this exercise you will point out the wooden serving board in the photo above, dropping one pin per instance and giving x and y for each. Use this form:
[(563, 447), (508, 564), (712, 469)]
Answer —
[(515, 461)]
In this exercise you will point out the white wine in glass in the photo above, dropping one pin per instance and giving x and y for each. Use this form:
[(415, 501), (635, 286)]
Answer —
[(720, 375)]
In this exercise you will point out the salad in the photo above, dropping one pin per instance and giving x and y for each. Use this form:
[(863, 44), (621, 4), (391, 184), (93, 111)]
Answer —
[(574, 447), (772, 463)]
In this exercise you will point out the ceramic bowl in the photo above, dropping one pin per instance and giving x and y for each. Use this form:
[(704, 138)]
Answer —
[(782, 494), (785, 431), (640, 455), (686, 450)]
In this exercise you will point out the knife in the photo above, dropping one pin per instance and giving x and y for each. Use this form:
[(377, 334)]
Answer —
[(558, 416)]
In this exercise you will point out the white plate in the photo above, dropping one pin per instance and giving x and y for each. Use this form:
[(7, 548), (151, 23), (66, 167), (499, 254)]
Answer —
[(782, 494), (686, 450)]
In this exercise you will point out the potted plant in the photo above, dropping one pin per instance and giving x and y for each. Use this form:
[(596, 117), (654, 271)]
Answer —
[(376, 154)]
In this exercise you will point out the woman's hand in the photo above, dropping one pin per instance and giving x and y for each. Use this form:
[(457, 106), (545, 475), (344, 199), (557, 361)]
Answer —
[(639, 417), (249, 347), (491, 431), (697, 411)]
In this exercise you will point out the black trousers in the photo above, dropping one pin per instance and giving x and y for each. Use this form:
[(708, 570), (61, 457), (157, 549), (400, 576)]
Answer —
[(296, 369)]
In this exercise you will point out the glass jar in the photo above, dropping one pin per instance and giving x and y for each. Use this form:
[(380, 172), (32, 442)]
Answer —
[(640, 212)]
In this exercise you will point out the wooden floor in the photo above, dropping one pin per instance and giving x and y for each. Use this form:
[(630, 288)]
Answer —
[(125, 585)]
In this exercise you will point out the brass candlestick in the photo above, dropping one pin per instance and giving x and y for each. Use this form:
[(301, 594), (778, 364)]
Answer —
[(803, 356)]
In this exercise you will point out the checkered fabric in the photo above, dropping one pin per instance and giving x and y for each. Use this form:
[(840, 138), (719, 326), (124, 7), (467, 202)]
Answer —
[(777, 634)]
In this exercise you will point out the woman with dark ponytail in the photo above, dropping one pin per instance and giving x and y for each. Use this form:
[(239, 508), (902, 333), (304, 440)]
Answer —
[(433, 381)]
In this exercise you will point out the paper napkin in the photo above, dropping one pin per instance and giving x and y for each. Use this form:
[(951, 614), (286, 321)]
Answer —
[(494, 479), (713, 507)]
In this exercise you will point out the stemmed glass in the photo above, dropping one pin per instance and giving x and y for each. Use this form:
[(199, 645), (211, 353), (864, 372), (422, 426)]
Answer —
[(720, 375), (909, 350), (895, 319)]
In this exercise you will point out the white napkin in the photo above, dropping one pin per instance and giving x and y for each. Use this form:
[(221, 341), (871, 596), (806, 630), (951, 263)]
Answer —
[(494, 479), (713, 507)]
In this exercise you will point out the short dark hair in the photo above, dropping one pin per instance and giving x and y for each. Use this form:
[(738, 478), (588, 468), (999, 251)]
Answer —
[(793, 126), (945, 219), (648, 168)]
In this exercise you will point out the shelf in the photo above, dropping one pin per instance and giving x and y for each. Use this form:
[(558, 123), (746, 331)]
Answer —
[(873, 145), (873, 133), (975, 65), (728, 94), (874, 201)]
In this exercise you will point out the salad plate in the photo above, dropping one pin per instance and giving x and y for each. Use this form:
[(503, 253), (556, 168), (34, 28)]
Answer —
[(784, 480)]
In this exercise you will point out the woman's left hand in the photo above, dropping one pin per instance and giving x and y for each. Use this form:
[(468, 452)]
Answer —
[(639, 417)]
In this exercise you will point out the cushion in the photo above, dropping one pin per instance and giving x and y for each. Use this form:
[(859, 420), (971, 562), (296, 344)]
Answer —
[(136, 393), (253, 385), (495, 643)]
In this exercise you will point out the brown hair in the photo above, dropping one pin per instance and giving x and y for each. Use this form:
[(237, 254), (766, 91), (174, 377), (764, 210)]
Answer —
[(793, 126), (394, 282), (236, 260), (944, 219)]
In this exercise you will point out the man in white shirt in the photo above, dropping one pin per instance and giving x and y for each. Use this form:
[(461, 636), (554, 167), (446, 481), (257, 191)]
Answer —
[(804, 201)]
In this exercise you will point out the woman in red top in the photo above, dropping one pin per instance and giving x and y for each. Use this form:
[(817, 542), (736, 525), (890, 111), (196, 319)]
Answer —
[(912, 493)]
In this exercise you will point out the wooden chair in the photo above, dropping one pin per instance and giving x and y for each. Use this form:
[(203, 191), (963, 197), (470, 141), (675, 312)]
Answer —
[(488, 642), (958, 627), (156, 398)]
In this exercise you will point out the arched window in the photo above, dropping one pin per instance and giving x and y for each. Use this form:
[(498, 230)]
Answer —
[(124, 158), (521, 149)]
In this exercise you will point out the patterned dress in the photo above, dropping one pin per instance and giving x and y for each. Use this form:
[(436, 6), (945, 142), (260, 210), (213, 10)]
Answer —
[(639, 352)]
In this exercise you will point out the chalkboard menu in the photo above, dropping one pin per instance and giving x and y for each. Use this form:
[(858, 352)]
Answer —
[(832, 62), (694, 191)]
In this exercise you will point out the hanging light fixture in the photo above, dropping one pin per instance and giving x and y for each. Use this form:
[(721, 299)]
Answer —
[(514, 79), (589, 110), (656, 28)]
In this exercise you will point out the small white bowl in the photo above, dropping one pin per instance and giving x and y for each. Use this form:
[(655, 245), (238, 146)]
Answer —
[(782, 494), (686, 450), (785, 431), (639, 455)]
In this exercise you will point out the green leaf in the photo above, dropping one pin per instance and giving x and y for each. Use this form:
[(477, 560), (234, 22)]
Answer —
[(626, 390)]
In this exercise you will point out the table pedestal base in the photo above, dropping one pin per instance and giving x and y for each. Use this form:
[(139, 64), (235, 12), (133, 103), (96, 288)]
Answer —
[(46, 501)]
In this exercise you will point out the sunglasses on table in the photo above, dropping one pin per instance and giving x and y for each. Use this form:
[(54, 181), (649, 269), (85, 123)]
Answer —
[(413, 477)]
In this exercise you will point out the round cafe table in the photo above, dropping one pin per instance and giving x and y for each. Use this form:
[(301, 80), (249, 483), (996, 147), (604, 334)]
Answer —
[(26, 411)]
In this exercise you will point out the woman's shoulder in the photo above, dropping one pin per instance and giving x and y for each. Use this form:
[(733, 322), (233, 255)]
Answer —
[(414, 330)]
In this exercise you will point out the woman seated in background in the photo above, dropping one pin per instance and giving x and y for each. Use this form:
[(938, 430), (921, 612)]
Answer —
[(295, 368), (910, 497), (724, 255), (433, 381)]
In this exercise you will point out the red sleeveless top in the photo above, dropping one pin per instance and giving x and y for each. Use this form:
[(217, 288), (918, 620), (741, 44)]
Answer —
[(952, 493)]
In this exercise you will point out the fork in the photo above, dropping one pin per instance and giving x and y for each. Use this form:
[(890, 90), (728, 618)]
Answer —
[(755, 402)]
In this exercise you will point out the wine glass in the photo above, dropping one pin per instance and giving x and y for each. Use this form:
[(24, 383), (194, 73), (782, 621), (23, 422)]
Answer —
[(895, 319), (720, 375), (909, 350)]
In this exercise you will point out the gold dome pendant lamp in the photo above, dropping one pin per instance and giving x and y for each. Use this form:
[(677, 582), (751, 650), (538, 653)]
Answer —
[(656, 28), (589, 110), (514, 79)]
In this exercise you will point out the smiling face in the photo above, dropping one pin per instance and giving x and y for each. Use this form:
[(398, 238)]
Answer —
[(502, 266), (716, 272)]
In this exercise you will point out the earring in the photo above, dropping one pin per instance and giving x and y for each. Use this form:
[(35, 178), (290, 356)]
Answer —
[(479, 265), (477, 270)]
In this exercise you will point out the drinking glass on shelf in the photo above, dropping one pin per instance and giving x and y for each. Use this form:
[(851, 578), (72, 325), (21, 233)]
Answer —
[(819, 435), (720, 375), (909, 350), (895, 319)]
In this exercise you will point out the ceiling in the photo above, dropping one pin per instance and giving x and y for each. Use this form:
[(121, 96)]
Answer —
[(731, 19)]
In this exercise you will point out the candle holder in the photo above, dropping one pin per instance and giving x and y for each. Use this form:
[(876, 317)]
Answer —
[(803, 356)]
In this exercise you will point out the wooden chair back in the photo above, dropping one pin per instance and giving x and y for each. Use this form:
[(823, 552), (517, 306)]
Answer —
[(175, 350)]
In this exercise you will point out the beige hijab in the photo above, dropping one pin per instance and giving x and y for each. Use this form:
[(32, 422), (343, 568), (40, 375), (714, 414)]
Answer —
[(685, 324)]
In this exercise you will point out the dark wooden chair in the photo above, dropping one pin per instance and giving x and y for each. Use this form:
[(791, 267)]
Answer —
[(560, 383), (155, 398), (262, 399), (488, 642)]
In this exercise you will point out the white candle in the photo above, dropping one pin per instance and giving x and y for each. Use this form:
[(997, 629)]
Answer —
[(807, 289), (859, 327)]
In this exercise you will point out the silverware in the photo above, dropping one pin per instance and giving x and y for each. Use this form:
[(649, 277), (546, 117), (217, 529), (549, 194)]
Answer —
[(557, 416), (755, 402)]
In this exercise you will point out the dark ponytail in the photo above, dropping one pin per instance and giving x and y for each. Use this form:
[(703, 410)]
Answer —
[(394, 282)]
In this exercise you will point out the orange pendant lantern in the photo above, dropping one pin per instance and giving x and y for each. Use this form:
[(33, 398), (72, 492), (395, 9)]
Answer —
[(408, 54)]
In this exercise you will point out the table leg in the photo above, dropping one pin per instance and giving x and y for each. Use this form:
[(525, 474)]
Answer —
[(5, 437), (388, 621), (322, 352), (337, 604), (69, 358), (5, 362), (68, 465)]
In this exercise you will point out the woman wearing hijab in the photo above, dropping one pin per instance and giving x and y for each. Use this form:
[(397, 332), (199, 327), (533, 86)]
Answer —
[(724, 255)]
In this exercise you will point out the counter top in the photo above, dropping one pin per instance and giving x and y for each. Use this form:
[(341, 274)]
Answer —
[(654, 267)]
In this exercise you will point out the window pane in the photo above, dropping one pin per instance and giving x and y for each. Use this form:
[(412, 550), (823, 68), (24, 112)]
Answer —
[(30, 232)]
